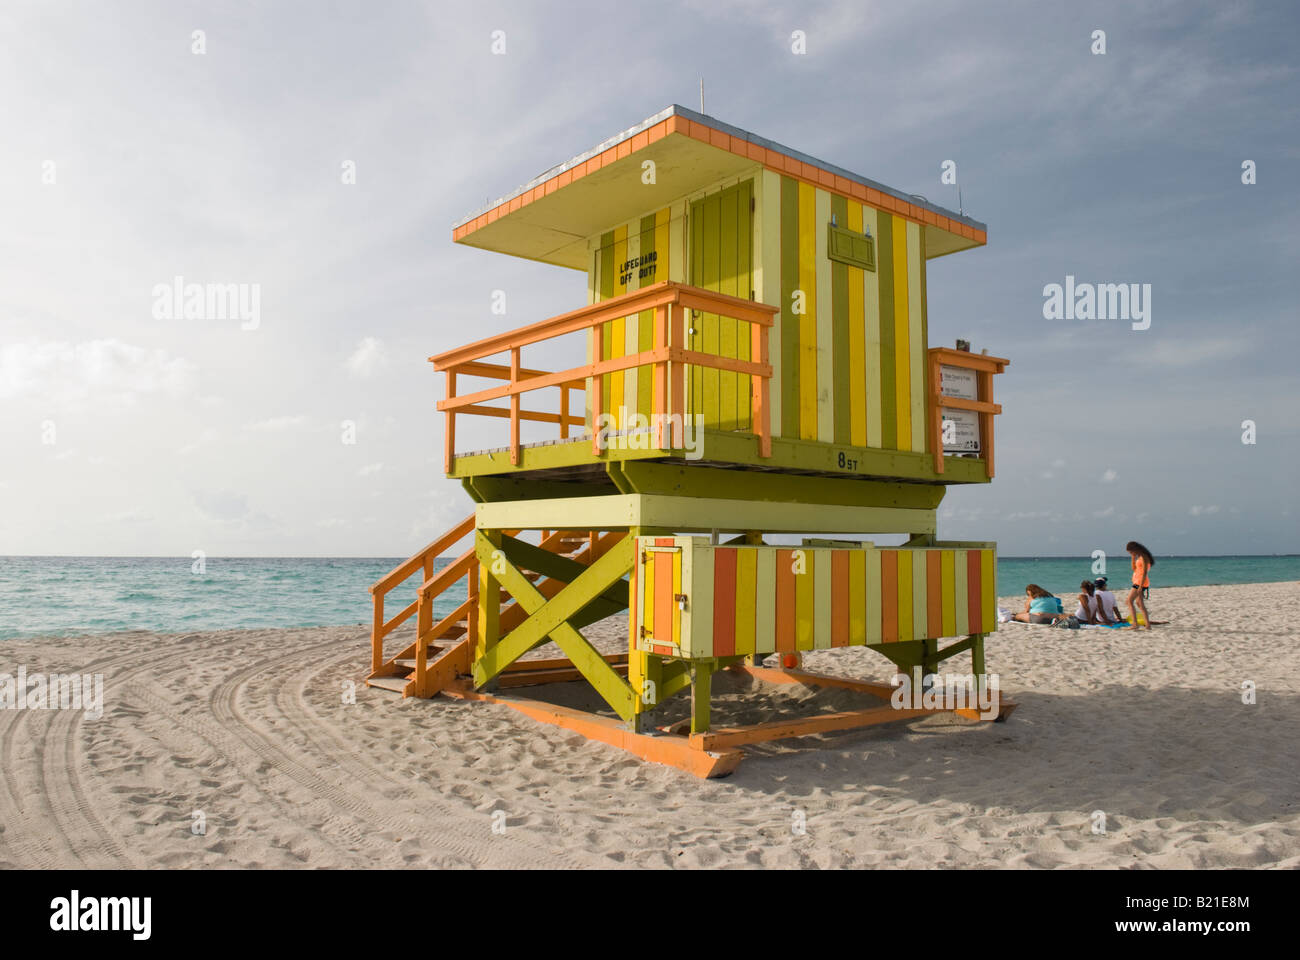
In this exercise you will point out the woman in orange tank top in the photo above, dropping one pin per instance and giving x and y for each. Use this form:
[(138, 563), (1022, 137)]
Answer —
[(1142, 564)]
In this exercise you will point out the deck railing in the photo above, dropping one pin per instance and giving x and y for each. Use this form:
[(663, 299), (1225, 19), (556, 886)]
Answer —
[(984, 367), (668, 356), (429, 589)]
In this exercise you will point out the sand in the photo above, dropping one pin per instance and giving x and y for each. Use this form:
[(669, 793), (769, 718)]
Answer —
[(249, 728)]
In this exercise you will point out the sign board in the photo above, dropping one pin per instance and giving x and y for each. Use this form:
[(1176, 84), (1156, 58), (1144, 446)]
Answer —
[(961, 431), (957, 382)]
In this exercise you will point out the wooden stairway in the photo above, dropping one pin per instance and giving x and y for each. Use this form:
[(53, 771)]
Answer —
[(442, 651)]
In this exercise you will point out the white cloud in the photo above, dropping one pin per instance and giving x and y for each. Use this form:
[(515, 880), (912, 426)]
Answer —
[(1189, 353), (1198, 510), (202, 440), (276, 424), (367, 358), (1028, 515), (1108, 512), (369, 469), (105, 371), (1110, 476)]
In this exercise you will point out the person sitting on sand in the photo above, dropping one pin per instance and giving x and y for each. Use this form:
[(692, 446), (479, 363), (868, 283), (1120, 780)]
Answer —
[(1107, 606), (1142, 564), (1089, 609), (1040, 606)]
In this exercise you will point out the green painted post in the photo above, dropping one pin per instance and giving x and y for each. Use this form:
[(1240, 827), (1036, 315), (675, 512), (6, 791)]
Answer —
[(977, 662)]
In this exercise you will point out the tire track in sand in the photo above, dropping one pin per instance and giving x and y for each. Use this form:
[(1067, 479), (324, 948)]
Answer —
[(62, 800), (226, 709), (523, 850)]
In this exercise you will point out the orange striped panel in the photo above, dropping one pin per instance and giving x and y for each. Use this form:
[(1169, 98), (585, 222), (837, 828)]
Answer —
[(839, 598), (724, 602), (664, 597), (785, 601)]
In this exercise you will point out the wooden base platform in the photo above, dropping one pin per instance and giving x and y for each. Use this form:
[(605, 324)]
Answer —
[(711, 754)]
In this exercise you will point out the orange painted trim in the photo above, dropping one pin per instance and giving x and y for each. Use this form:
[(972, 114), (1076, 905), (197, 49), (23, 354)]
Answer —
[(672, 751), (726, 737), (839, 598), (724, 601), (882, 690), (785, 603), (770, 158)]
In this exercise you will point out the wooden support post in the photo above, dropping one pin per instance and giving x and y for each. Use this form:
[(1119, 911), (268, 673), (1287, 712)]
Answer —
[(701, 691), (985, 381), (564, 411), (471, 622), (659, 383), (645, 676), (678, 399), (936, 412), (596, 387), (930, 656), (423, 624), (377, 636), (761, 387), (977, 661), (449, 454), (514, 407), (489, 599), (755, 538)]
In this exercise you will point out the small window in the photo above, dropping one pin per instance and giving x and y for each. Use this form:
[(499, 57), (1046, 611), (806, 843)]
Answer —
[(847, 246)]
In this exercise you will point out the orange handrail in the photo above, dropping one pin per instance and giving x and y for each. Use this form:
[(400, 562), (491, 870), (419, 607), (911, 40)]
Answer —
[(668, 355), (381, 628)]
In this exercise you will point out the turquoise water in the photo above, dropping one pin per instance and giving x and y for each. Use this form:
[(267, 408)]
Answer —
[(42, 596)]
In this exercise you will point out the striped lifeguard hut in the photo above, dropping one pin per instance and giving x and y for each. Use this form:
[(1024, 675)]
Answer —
[(751, 398)]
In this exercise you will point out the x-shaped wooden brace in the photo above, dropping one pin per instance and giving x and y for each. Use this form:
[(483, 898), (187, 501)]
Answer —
[(550, 618)]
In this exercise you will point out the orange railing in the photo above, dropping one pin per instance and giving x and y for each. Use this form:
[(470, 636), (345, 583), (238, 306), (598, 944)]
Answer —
[(433, 585), (983, 367), (460, 624), (669, 355)]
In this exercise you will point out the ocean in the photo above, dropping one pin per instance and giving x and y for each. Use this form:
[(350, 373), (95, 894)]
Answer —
[(65, 596)]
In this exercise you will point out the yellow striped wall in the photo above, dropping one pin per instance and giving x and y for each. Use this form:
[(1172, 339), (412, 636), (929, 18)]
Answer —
[(746, 599), (848, 348)]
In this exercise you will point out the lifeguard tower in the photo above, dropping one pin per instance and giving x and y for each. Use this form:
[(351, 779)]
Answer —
[(752, 362)]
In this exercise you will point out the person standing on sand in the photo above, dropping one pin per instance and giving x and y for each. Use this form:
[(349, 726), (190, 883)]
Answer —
[(1142, 564)]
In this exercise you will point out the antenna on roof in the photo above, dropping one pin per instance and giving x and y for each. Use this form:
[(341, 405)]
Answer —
[(701, 94), (959, 209)]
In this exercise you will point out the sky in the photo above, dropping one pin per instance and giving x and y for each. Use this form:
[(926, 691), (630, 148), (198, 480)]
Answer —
[(136, 152)]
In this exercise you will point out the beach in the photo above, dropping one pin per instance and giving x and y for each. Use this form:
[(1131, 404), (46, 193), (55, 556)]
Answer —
[(236, 749)]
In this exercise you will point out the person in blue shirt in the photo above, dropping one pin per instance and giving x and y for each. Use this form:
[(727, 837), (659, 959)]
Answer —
[(1040, 606)]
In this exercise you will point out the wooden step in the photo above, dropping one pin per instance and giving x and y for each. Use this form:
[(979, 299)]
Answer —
[(409, 662), (395, 684)]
